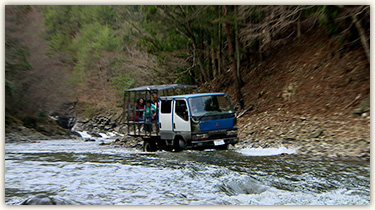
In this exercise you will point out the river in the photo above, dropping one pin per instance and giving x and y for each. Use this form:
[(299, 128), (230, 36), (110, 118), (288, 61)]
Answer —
[(86, 173)]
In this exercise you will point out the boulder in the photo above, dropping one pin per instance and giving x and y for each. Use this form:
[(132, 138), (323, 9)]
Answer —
[(364, 107), (94, 134), (65, 115), (43, 199)]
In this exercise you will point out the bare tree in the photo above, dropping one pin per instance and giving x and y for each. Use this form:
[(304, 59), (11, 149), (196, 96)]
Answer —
[(359, 14), (236, 75), (179, 17), (274, 24)]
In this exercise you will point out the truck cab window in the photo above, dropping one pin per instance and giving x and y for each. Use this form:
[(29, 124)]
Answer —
[(166, 106), (181, 109)]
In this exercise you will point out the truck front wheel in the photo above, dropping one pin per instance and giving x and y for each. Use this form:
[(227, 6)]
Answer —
[(179, 144)]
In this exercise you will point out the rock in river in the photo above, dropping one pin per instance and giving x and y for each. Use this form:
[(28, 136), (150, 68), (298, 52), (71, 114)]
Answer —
[(43, 199)]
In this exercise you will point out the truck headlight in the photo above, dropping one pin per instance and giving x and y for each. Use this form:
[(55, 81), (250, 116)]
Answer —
[(232, 133), (200, 136)]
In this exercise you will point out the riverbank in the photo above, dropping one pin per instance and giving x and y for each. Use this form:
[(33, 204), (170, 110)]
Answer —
[(34, 128), (337, 135)]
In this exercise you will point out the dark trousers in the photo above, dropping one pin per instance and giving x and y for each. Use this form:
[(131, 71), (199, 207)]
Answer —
[(148, 124)]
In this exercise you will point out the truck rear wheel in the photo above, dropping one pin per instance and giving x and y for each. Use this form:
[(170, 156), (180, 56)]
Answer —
[(149, 146)]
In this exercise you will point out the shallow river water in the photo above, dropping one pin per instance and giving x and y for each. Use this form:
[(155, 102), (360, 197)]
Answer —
[(86, 173)]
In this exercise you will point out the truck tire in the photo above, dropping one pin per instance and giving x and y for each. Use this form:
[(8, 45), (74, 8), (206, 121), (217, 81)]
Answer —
[(179, 144), (149, 146)]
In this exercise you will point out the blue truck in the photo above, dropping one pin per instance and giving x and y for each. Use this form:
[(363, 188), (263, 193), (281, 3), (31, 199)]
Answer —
[(183, 120)]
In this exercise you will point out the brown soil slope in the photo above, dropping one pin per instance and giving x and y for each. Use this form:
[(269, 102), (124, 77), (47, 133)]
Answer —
[(304, 96), (312, 75)]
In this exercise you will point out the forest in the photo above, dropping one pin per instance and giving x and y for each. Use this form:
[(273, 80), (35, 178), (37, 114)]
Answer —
[(87, 55), (298, 77)]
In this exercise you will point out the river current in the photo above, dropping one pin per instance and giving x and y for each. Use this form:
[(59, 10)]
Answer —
[(86, 173)]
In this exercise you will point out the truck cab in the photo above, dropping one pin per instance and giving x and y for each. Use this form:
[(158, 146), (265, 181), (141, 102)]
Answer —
[(187, 121), (205, 120)]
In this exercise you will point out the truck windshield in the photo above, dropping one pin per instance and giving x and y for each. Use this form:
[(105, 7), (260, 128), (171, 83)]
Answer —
[(210, 105)]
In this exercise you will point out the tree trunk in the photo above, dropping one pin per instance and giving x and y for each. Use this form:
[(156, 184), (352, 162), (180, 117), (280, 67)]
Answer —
[(299, 29), (234, 65), (197, 54), (362, 36), (219, 53), (213, 58), (239, 78)]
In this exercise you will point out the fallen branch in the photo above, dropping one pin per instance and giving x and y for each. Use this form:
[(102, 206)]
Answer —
[(242, 113)]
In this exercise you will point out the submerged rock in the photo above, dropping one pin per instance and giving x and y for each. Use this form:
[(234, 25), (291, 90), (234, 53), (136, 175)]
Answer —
[(43, 199)]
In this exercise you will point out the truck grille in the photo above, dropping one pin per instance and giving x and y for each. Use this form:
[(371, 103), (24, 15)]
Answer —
[(217, 136)]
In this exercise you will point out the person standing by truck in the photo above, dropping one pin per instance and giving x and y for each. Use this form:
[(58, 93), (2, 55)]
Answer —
[(149, 111), (139, 112)]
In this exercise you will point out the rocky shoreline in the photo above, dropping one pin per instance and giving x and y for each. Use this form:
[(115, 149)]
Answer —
[(335, 136), (20, 133)]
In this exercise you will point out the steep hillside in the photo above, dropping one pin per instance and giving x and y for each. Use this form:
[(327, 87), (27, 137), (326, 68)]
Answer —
[(314, 75), (304, 97)]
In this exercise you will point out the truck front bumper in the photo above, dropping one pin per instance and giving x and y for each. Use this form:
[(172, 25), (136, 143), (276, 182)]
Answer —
[(212, 143)]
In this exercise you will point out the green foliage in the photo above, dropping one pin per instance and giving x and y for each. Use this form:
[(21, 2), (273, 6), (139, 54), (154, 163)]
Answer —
[(179, 33), (327, 19), (16, 57), (92, 41), (10, 88), (59, 27), (42, 114), (16, 64), (11, 120), (183, 79), (181, 37), (83, 33), (326, 16), (123, 81), (58, 42), (102, 14)]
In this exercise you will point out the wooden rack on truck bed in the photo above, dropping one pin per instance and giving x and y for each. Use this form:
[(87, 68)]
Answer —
[(131, 96)]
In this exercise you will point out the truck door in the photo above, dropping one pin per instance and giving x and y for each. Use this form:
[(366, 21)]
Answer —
[(181, 116), (165, 118)]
